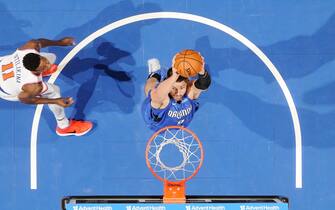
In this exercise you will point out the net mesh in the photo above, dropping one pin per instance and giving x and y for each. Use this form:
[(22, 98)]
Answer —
[(187, 145)]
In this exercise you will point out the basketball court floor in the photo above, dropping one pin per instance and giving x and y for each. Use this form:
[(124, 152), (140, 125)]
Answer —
[(266, 124)]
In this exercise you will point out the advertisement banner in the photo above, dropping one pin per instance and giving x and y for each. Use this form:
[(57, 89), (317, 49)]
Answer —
[(188, 206)]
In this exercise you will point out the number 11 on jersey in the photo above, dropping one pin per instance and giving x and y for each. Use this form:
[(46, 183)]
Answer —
[(7, 71)]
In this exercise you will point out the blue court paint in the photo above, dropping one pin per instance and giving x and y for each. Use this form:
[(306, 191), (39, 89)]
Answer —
[(244, 153)]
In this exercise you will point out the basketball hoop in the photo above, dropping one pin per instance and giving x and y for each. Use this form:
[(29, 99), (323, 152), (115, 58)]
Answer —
[(181, 164)]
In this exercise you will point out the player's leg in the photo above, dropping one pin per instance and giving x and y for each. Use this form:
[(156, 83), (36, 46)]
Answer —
[(154, 77), (53, 91), (65, 127)]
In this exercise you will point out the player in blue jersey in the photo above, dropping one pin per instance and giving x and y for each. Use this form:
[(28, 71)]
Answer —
[(170, 98)]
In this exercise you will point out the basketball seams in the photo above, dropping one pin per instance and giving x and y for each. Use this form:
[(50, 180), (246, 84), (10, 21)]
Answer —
[(193, 69), (188, 52), (184, 71), (189, 59), (195, 60), (177, 67)]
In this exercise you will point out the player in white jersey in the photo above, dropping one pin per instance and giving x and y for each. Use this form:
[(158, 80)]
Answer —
[(21, 80)]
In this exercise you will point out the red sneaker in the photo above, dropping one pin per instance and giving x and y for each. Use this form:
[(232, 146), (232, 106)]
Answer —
[(76, 128), (50, 71)]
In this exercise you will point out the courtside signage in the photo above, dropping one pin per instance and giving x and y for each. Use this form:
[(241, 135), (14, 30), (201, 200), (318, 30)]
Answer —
[(198, 206)]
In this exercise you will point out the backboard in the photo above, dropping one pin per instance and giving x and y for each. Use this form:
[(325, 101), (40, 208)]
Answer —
[(192, 203)]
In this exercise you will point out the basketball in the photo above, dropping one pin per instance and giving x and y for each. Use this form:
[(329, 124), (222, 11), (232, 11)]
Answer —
[(188, 63)]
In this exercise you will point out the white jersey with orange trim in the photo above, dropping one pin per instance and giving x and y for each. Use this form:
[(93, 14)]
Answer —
[(14, 75)]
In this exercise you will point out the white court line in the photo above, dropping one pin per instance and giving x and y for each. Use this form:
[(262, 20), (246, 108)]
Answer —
[(182, 16)]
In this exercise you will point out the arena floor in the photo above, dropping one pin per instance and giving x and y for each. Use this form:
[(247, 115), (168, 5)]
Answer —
[(267, 122)]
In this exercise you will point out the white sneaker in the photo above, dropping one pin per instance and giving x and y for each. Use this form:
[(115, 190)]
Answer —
[(153, 65)]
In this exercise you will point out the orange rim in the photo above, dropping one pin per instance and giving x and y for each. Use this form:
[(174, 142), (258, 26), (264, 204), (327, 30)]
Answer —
[(167, 128)]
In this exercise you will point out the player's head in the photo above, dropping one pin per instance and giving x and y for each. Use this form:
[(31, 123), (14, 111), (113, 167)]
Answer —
[(179, 88), (36, 63)]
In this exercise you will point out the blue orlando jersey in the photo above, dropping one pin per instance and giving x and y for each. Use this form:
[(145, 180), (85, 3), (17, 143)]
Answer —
[(173, 114)]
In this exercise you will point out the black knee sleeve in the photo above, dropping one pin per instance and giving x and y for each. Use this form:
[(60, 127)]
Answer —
[(155, 75)]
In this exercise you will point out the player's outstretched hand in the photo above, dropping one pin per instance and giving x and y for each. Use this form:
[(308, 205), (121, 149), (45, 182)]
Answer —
[(67, 41), (65, 102)]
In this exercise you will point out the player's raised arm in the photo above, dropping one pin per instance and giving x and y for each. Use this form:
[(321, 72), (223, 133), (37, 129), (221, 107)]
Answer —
[(37, 44), (160, 94), (31, 95), (201, 84)]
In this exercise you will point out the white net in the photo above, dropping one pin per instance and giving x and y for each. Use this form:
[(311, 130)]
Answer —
[(174, 154)]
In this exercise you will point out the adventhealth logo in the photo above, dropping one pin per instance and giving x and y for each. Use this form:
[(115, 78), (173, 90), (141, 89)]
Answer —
[(92, 208), (259, 208), (204, 207)]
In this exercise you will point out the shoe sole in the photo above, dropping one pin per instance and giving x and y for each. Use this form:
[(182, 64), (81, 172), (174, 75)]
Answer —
[(152, 63), (74, 134)]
